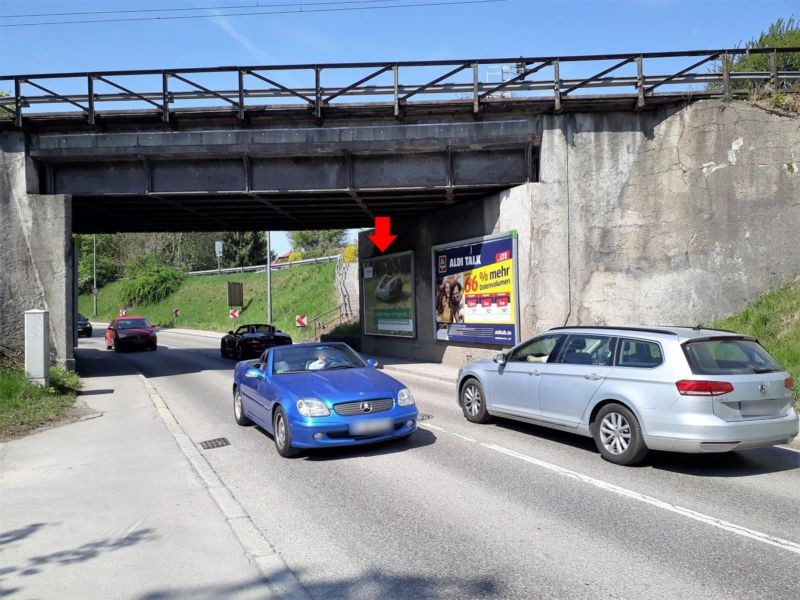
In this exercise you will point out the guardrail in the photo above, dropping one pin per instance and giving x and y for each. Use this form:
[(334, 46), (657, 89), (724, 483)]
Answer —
[(260, 268), (168, 90)]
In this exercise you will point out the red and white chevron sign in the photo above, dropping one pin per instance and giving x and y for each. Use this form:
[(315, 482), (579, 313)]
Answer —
[(234, 314), (301, 320)]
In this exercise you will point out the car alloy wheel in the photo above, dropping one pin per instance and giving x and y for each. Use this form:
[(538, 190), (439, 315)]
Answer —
[(472, 399), (618, 435), (283, 435), (280, 431), (238, 409), (615, 433), (473, 402)]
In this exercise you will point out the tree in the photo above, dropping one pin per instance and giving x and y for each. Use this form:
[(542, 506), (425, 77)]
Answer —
[(780, 34), (244, 248), (313, 244)]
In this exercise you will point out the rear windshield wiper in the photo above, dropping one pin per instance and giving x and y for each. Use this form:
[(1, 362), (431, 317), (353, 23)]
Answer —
[(760, 370)]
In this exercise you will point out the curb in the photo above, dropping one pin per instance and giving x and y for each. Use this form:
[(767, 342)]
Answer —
[(279, 577)]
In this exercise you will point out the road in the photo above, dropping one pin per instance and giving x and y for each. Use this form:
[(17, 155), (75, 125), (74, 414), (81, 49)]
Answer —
[(503, 510)]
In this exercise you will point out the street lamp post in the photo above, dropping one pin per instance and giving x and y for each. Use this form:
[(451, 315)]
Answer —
[(269, 280), (94, 274)]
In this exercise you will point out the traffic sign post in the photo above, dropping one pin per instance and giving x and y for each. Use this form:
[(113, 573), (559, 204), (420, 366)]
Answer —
[(301, 320), (218, 252)]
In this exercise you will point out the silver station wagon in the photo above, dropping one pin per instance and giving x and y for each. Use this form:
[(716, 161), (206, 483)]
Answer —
[(638, 389)]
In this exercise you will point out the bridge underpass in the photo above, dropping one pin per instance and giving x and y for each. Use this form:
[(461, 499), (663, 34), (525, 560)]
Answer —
[(280, 179), (607, 230)]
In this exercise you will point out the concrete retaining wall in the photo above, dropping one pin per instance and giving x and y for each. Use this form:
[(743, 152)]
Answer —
[(670, 217), (37, 261)]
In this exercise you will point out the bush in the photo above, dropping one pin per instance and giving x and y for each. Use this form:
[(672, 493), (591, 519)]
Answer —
[(295, 255), (350, 253), (148, 282)]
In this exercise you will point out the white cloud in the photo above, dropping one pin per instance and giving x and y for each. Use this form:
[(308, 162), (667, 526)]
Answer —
[(224, 23)]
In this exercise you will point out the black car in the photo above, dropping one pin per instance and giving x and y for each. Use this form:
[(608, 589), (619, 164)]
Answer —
[(252, 340), (84, 327)]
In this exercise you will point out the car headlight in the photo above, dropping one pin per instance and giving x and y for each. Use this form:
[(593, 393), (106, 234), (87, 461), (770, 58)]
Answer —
[(405, 397), (153, 333), (311, 407)]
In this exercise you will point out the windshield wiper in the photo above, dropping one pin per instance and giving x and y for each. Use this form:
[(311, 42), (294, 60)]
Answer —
[(763, 370), (340, 367)]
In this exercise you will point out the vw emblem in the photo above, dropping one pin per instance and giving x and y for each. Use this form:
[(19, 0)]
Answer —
[(763, 389), (366, 407)]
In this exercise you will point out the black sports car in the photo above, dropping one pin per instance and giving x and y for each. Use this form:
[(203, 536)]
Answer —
[(84, 327), (252, 340)]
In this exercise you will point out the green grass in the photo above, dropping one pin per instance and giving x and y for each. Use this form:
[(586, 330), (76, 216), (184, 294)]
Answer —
[(774, 318), (203, 301), (25, 407)]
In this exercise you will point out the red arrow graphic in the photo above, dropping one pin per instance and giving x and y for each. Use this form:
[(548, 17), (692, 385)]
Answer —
[(382, 237)]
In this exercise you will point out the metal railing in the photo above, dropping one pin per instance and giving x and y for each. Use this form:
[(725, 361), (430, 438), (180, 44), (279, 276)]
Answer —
[(169, 90), (261, 268)]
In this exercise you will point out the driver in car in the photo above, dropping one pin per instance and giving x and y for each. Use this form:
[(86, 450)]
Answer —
[(320, 362)]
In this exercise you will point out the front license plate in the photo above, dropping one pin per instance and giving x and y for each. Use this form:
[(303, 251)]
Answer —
[(371, 427)]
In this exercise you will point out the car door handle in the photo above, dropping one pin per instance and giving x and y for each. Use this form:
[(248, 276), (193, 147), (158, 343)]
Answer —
[(592, 376), (537, 373)]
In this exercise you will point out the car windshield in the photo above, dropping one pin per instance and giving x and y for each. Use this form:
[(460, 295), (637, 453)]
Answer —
[(733, 356), (132, 324), (298, 359), (81, 317)]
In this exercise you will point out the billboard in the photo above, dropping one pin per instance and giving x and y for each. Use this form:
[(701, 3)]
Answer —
[(387, 288), (475, 297)]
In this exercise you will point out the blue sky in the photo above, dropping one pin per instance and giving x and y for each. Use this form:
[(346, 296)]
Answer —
[(510, 28)]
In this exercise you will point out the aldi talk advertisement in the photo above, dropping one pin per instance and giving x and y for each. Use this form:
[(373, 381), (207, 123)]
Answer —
[(475, 290)]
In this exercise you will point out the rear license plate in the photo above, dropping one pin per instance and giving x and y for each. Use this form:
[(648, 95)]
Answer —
[(371, 427), (758, 409)]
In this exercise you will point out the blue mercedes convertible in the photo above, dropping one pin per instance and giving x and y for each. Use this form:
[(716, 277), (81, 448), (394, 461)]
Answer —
[(319, 395)]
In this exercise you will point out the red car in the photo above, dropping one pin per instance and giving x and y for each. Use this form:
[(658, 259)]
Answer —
[(130, 332)]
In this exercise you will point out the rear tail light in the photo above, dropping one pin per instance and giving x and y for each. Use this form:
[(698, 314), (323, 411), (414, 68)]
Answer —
[(789, 383), (688, 387)]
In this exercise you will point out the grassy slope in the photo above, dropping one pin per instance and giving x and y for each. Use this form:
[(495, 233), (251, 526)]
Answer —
[(301, 290), (24, 407), (775, 320)]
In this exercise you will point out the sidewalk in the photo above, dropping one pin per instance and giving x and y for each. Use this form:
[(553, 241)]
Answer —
[(435, 371), (110, 507)]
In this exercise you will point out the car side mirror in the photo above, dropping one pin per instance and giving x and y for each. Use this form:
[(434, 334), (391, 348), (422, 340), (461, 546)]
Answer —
[(371, 362), (500, 359), (230, 333), (254, 374)]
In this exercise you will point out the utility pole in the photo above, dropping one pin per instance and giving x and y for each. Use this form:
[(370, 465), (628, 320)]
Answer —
[(269, 280), (94, 274)]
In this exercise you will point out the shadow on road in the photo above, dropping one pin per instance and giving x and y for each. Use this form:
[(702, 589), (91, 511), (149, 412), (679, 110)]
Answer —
[(374, 584), (94, 362), (419, 439), (730, 464)]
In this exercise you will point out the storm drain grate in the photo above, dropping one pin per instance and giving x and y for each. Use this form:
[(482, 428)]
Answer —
[(424, 417), (215, 443)]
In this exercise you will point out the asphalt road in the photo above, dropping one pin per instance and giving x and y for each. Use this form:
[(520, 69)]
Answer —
[(504, 510)]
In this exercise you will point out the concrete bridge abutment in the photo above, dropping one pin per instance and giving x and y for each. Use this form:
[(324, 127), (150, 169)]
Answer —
[(37, 264)]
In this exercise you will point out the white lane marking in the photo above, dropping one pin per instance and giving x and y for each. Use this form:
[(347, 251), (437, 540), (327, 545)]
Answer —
[(702, 518), (789, 448), (463, 437)]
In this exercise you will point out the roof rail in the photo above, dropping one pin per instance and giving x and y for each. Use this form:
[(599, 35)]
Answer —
[(645, 329), (701, 327)]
